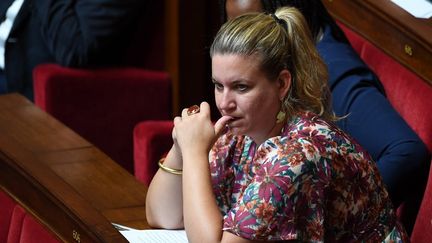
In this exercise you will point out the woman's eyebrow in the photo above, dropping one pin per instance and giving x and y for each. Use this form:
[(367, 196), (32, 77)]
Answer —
[(237, 81)]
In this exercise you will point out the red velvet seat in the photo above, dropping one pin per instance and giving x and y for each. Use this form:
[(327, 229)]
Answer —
[(401, 85), (103, 105), (422, 232), (18, 226), (152, 139), (402, 89)]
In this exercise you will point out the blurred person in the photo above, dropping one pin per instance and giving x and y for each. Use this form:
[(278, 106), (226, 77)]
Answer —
[(81, 33)]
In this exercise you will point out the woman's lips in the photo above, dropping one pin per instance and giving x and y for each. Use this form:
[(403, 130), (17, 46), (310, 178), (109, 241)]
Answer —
[(233, 120)]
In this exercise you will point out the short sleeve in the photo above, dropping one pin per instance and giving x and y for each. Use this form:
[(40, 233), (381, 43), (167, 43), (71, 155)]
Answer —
[(284, 200)]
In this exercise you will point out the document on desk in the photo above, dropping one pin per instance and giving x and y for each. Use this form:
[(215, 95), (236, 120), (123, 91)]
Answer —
[(155, 236), (417, 8), (152, 236)]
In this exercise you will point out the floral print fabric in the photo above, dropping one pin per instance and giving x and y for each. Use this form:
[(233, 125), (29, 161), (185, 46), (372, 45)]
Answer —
[(312, 183)]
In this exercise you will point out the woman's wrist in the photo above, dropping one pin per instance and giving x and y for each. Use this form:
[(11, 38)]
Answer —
[(169, 169), (173, 159)]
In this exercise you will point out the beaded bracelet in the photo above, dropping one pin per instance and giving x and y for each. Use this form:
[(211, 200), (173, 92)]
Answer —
[(168, 169)]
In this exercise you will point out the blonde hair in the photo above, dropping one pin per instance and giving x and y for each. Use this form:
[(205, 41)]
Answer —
[(282, 41)]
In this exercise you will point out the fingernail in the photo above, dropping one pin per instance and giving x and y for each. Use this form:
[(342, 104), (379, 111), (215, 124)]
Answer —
[(226, 129)]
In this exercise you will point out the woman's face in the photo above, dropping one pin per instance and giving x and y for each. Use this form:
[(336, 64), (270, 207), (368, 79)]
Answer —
[(235, 8), (244, 92)]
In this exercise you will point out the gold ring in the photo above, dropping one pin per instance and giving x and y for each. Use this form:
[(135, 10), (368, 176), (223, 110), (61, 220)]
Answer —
[(193, 110)]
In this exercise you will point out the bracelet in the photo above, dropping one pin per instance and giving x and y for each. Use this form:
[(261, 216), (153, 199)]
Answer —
[(168, 169)]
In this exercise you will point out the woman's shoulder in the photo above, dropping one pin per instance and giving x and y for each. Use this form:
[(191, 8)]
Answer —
[(300, 141), (316, 136), (308, 124)]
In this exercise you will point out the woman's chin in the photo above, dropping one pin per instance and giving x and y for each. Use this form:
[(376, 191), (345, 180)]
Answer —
[(237, 131)]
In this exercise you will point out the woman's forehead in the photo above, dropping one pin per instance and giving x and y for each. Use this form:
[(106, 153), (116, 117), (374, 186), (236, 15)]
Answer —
[(230, 67), (235, 62)]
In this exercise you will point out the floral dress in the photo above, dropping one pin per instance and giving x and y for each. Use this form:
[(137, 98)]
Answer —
[(312, 183)]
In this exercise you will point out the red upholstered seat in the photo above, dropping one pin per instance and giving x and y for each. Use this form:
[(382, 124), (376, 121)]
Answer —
[(408, 93), (422, 232), (152, 139), (104, 105), (18, 226), (410, 96), (6, 210)]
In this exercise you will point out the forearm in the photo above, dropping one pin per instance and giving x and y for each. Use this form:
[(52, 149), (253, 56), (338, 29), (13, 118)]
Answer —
[(202, 218), (164, 202)]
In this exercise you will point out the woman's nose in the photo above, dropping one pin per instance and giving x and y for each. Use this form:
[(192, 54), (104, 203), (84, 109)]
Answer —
[(226, 102)]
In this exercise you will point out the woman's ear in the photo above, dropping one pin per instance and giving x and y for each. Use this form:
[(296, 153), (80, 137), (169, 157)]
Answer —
[(284, 80)]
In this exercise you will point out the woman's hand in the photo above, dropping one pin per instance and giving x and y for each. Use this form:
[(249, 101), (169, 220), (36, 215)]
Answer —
[(196, 131)]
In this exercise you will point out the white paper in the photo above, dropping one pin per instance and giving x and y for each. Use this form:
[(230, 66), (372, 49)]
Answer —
[(417, 8), (151, 236), (155, 236)]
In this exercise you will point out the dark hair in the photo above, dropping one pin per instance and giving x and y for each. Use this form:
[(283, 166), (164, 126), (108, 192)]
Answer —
[(314, 12)]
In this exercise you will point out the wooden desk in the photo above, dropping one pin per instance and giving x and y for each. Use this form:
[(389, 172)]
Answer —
[(64, 181), (390, 28)]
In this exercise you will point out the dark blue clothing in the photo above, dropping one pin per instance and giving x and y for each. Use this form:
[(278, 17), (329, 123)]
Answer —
[(399, 152), (3, 86), (80, 33)]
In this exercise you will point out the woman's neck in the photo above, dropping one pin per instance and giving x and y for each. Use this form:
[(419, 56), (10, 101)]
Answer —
[(274, 131)]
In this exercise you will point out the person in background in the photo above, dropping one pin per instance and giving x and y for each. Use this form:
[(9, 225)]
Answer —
[(274, 167), (358, 95), (81, 33)]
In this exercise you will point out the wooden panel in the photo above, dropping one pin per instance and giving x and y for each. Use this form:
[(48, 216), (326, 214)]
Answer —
[(64, 181), (190, 28), (172, 48), (402, 36)]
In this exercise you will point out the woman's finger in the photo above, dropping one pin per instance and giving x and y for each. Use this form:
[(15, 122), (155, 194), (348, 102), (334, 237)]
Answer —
[(220, 125)]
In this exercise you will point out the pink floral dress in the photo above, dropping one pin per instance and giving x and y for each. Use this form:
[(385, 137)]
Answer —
[(312, 183)]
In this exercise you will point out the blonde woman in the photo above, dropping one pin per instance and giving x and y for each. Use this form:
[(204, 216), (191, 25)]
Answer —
[(274, 167)]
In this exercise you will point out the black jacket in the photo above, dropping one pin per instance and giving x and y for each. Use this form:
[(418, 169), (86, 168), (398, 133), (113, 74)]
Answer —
[(73, 33)]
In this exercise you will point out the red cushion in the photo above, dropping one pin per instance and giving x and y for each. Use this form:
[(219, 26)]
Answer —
[(7, 206), (409, 94), (33, 232), (17, 226), (104, 105), (422, 232), (152, 139)]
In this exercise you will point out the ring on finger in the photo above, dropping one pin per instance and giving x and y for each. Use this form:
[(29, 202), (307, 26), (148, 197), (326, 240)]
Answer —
[(193, 110)]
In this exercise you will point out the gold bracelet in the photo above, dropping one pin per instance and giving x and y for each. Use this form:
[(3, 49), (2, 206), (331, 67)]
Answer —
[(168, 169)]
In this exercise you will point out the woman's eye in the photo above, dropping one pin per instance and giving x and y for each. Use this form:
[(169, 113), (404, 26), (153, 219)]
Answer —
[(218, 86), (241, 87)]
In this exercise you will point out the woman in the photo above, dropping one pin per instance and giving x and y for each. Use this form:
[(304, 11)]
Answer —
[(273, 167), (402, 158)]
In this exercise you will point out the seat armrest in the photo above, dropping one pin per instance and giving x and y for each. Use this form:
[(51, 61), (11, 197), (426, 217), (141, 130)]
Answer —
[(152, 140)]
